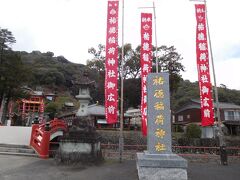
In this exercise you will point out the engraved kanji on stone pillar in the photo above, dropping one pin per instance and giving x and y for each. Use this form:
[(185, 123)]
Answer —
[(158, 114)]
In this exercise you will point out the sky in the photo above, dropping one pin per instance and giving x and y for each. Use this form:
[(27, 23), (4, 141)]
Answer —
[(70, 27)]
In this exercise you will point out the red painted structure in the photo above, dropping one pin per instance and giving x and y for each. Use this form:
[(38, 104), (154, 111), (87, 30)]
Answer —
[(30, 105), (35, 104), (41, 133)]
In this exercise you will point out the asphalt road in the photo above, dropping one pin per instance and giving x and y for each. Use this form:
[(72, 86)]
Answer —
[(31, 168), (213, 171)]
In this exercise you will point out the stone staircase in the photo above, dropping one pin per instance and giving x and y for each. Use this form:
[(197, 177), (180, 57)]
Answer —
[(17, 150)]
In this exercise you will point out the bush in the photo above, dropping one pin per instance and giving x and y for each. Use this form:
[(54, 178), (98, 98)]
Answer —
[(51, 108), (193, 131), (177, 128)]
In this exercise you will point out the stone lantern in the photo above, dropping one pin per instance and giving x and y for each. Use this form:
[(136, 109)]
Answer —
[(82, 142), (84, 94)]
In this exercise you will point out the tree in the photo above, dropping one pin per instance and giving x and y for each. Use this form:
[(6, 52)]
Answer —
[(98, 61), (132, 93), (97, 65), (228, 95), (6, 40), (131, 60), (13, 76), (169, 61), (193, 131), (51, 108), (186, 91), (132, 65)]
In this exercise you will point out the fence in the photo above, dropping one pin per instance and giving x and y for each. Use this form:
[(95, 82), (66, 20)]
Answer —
[(192, 153), (181, 150)]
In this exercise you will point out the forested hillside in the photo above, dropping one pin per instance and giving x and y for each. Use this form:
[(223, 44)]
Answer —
[(58, 73), (51, 71), (190, 90)]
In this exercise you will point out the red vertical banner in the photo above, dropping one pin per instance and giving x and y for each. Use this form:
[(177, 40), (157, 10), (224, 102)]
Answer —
[(207, 112), (146, 63), (111, 74)]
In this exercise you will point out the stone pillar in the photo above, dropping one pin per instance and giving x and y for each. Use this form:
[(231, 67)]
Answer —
[(158, 162)]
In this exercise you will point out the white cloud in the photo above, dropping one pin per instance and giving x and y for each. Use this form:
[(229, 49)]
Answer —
[(228, 73)]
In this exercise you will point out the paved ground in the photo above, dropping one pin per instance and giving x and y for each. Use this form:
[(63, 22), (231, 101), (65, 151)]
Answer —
[(31, 168), (213, 171)]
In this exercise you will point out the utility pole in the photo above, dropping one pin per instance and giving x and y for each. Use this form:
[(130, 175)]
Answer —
[(222, 144)]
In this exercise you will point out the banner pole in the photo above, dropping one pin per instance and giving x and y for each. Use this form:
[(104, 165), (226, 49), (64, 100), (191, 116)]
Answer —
[(222, 143), (220, 133), (155, 24), (122, 74)]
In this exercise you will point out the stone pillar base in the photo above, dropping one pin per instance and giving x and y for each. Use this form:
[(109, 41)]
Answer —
[(161, 167), (207, 132)]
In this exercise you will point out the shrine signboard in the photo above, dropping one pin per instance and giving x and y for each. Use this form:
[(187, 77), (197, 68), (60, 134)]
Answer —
[(158, 114)]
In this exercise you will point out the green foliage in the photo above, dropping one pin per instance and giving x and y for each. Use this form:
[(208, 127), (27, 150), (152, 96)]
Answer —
[(170, 62), (55, 107), (177, 135), (13, 75), (98, 61), (228, 95), (132, 92), (190, 90), (66, 98), (193, 131), (51, 108), (177, 128), (186, 91), (51, 71), (52, 77), (6, 39), (132, 67)]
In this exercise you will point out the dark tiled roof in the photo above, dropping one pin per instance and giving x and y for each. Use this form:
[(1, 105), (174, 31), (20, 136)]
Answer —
[(95, 110)]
